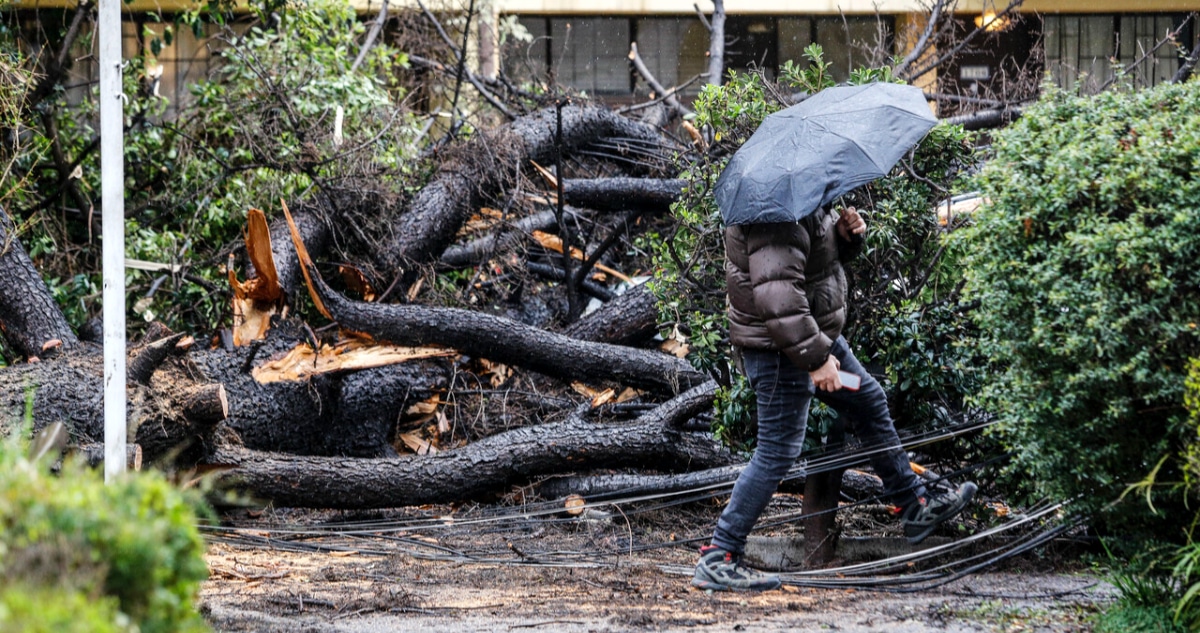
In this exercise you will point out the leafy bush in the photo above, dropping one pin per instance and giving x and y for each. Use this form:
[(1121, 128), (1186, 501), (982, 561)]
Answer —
[(1083, 264), (905, 315), (119, 557)]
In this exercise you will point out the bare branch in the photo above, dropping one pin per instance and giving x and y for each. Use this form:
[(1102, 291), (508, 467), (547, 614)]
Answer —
[(1011, 9), (716, 44), (668, 95), (923, 43), (372, 35)]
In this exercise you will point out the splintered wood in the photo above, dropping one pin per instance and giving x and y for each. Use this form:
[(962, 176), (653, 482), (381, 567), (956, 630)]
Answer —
[(302, 362), (256, 300)]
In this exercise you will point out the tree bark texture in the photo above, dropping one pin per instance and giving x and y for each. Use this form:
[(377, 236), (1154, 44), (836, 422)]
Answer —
[(29, 317), (484, 467), (511, 342), (629, 319), (69, 389), (350, 414), (478, 250), (717, 480), (620, 194), (482, 168)]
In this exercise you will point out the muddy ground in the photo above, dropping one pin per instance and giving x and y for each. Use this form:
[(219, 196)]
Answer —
[(516, 569)]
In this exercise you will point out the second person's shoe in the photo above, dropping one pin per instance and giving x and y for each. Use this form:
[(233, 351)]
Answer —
[(922, 518)]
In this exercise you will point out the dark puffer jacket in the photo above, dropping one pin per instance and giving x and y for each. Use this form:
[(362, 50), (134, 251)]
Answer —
[(787, 289)]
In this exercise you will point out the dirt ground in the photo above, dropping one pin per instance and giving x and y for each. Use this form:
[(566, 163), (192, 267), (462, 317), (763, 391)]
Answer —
[(436, 570)]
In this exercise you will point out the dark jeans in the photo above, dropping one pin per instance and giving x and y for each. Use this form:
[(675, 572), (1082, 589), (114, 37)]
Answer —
[(784, 392)]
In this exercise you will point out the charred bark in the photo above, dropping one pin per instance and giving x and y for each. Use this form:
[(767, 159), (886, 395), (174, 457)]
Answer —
[(629, 319), (476, 251), (511, 342), (69, 389), (482, 168), (351, 414), (482, 468), (29, 317), (618, 194), (716, 480)]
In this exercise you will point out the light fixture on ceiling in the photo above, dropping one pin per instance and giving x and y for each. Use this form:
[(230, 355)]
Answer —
[(989, 21)]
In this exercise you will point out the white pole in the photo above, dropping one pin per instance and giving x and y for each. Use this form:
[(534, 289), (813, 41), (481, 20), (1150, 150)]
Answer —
[(112, 179)]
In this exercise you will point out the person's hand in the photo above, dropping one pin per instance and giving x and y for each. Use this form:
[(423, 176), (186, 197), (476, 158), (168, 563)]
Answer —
[(851, 223), (826, 376)]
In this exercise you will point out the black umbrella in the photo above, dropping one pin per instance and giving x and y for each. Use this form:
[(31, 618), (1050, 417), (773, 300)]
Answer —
[(802, 158)]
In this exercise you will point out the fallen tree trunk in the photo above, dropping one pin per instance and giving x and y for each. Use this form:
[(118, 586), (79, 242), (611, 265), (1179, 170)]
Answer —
[(29, 318), (347, 413), (485, 467), (620, 194), (715, 480), (482, 168), (175, 409), (629, 319), (510, 342)]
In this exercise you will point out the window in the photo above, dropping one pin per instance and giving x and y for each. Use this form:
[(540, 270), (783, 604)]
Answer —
[(589, 53), (1088, 48)]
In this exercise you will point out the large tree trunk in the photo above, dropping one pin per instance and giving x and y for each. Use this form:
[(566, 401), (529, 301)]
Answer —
[(485, 467), (29, 317), (316, 235), (174, 410), (352, 413), (511, 342), (481, 169)]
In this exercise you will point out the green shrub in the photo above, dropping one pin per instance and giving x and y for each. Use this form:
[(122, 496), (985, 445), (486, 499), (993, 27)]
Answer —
[(131, 545), (1083, 265)]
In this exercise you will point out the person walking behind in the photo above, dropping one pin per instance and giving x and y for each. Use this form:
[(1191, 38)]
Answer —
[(787, 307)]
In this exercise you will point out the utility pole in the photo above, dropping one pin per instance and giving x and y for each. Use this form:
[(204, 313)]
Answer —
[(112, 178)]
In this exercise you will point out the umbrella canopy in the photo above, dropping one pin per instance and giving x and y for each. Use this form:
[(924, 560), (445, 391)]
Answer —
[(802, 158)]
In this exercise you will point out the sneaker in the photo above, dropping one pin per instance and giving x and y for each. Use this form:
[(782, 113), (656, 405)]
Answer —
[(719, 570), (923, 517)]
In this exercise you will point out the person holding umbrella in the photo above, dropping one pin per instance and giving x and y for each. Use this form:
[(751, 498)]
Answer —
[(784, 248)]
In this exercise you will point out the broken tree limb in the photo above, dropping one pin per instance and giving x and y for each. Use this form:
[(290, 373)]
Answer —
[(985, 119), (554, 273), (317, 237), (677, 109), (629, 319), (322, 414), (144, 360), (485, 467), (619, 194), (29, 317), (476, 251), (717, 480), (482, 167), (507, 341)]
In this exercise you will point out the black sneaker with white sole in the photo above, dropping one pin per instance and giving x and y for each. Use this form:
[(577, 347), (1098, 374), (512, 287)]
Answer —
[(930, 511), (719, 570)]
